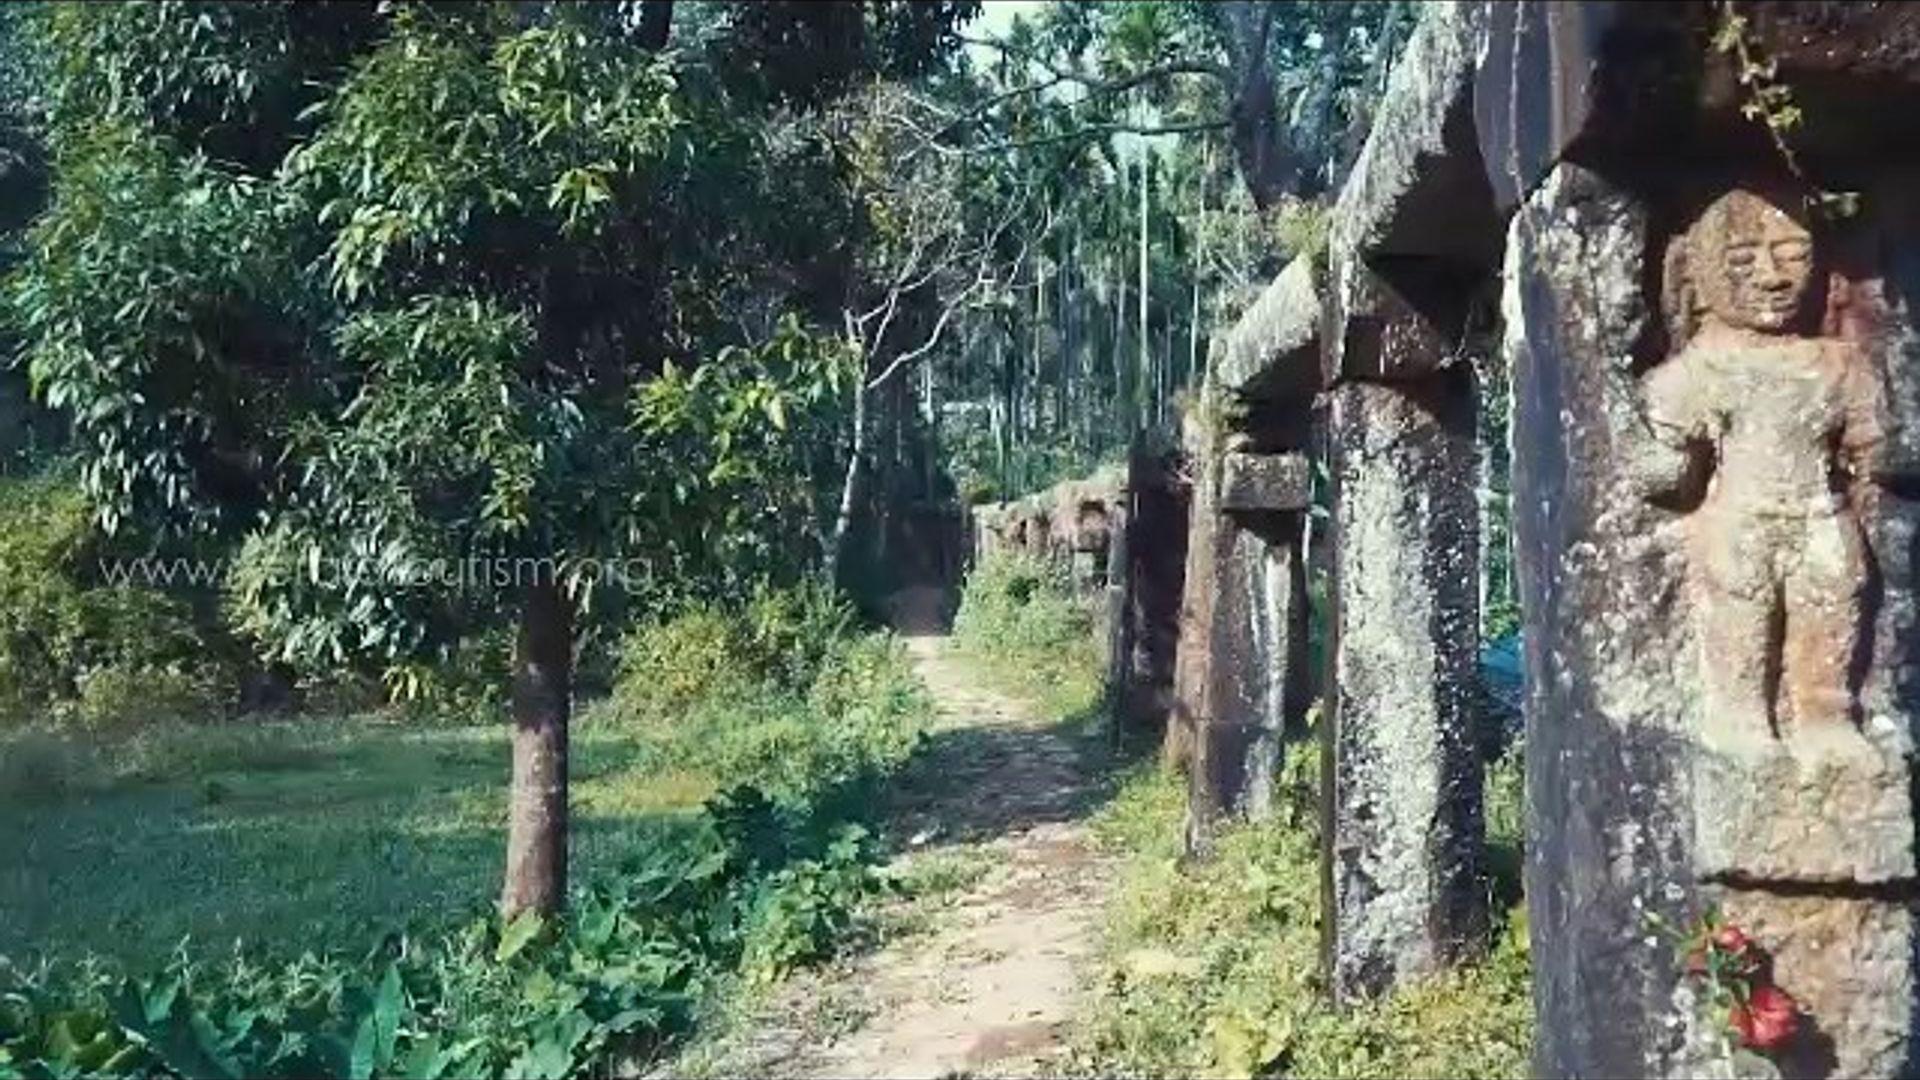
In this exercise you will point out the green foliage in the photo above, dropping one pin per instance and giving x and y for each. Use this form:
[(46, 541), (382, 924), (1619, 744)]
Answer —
[(765, 875), (148, 291), (742, 444), (1020, 618), (521, 1000), (804, 52), (778, 694), (226, 79), (716, 655), (461, 149), (1213, 968), (75, 650)]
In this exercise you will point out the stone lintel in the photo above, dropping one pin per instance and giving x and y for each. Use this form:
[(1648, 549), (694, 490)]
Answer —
[(1418, 187), (1269, 352), (1265, 482), (1375, 334)]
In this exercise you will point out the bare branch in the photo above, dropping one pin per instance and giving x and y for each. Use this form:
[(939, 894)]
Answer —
[(1097, 130)]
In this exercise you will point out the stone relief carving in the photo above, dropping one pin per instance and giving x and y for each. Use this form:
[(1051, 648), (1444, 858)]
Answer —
[(1774, 424)]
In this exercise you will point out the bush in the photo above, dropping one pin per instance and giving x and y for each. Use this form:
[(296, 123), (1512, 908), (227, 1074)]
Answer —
[(708, 655), (94, 655), (1019, 617)]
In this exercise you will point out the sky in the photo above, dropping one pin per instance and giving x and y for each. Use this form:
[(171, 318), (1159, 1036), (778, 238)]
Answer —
[(997, 15)]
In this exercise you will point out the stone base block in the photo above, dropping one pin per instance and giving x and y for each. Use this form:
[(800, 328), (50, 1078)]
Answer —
[(1836, 810), (1849, 961)]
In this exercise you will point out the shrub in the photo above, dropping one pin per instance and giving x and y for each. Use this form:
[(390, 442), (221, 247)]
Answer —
[(1019, 617), (40, 765), (707, 655), (469, 685), (73, 650)]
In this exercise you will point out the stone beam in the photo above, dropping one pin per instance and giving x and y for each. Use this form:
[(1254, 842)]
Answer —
[(1256, 482), (1269, 352), (1418, 188)]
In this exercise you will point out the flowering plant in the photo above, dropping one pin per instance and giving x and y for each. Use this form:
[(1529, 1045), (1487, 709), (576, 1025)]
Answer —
[(1738, 974)]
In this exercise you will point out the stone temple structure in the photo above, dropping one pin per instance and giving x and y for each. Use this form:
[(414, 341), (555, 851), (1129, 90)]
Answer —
[(1688, 234)]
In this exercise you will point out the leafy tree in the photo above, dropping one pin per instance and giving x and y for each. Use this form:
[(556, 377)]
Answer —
[(407, 294), (1289, 83)]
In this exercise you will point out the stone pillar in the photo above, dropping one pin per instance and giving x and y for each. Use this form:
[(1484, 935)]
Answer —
[(1716, 564), (1257, 678), (1405, 876), (1246, 576), (1154, 569), (1715, 527), (1193, 656)]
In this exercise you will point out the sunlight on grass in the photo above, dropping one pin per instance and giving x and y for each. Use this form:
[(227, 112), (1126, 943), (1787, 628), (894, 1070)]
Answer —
[(1213, 968), (310, 834)]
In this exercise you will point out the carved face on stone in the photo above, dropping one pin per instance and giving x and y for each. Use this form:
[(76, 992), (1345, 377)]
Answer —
[(1753, 263)]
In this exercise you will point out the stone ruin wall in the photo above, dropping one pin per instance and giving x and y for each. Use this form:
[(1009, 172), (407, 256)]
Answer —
[(1120, 535), (1717, 512)]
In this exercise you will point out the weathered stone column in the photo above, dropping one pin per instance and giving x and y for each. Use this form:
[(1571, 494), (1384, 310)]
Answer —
[(1405, 836), (1716, 631), (1154, 569), (1247, 574), (1414, 244), (1715, 526), (1258, 675)]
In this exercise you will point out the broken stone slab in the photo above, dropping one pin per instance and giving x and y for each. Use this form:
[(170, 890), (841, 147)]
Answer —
[(1268, 353), (1418, 187), (1405, 835), (1250, 481)]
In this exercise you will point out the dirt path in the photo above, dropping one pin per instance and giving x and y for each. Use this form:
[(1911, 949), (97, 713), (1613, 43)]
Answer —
[(981, 983)]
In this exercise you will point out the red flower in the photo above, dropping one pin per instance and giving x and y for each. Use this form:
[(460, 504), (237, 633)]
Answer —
[(1767, 1020), (1732, 939)]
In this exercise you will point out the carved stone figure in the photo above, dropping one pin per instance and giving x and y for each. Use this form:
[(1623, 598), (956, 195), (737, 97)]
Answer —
[(1775, 424)]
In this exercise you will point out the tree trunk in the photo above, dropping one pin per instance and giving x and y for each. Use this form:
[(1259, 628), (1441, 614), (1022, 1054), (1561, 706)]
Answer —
[(1143, 404), (1267, 162), (656, 21), (536, 877), (850, 485)]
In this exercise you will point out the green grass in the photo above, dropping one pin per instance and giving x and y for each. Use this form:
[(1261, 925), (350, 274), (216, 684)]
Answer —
[(307, 835), (322, 835), (1214, 968), (1022, 626)]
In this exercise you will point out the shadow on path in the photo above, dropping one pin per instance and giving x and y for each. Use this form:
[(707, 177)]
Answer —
[(984, 980)]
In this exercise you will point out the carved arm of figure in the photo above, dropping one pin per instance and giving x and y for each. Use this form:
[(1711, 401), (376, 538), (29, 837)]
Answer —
[(1674, 460), (1860, 438)]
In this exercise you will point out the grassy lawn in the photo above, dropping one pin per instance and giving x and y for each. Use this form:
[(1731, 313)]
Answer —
[(289, 835)]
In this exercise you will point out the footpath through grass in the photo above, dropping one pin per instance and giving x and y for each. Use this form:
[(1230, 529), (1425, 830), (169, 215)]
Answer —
[(1212, 968)]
